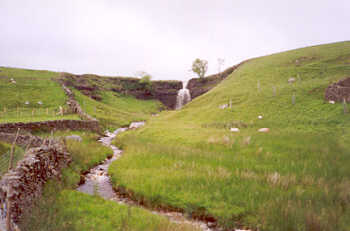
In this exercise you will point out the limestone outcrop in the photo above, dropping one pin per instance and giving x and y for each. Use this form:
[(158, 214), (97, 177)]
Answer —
[(339, 91)]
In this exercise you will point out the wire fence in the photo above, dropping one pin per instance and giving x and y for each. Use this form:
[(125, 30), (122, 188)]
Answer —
[(24, 114), (6, 157)]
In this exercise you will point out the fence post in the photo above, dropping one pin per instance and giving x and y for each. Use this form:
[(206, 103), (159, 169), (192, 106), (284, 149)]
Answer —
[(50, 139), (293, 98), (8, 212), (28, 145), (12, 150), (345, 108)]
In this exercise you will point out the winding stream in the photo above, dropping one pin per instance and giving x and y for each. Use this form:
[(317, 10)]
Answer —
[(98, 181)]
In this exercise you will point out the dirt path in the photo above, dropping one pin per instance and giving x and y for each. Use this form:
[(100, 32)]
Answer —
[(98, 181)]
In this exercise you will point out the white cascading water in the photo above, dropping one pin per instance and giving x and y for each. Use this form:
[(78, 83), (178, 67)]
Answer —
[(183, 96)]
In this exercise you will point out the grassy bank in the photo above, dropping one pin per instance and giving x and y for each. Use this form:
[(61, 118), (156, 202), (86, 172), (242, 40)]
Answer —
[(31, 96), (296, 177), (64, 208), (117, 110)]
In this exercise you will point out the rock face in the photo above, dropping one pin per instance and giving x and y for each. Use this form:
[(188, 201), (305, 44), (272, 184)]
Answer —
[(21, 186), (198, 86), (164, 91), (91, 85), (339, 91)]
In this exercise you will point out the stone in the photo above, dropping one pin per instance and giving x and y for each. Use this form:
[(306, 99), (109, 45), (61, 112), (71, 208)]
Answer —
[(135, 125), (74, 137), (260, 117), (331, 101), (264, 130), (234, 129), (247, 140), (291, 80)]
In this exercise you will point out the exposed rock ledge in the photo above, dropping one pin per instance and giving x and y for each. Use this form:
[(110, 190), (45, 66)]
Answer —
[(339, 91)]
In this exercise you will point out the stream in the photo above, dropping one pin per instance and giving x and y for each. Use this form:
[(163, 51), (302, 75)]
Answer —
[(98, 181)]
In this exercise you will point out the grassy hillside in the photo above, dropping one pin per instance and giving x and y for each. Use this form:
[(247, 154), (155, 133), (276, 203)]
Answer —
[(117, 110), (30, 86), (296, 177), (112, 109)]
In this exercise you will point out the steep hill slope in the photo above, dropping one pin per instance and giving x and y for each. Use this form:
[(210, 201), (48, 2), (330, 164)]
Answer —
[(296, 177), (30, 95)]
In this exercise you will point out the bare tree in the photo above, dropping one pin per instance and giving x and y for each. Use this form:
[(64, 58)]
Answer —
[(221, 63)]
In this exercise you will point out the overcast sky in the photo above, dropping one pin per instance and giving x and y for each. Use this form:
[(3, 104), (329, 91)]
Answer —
[(122, 37)]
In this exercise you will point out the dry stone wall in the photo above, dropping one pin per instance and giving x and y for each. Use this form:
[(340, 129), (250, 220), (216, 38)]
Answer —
[(91, 125), (75, 106), (21, 186), (23, 140)]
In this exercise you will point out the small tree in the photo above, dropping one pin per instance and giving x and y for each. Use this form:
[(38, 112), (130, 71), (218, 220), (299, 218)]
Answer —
[(200, 67), (145, 80)]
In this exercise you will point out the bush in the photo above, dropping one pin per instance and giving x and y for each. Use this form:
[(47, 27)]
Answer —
[(146, 82)]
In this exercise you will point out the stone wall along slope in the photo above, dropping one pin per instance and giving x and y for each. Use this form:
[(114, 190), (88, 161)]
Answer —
[(22, 185)]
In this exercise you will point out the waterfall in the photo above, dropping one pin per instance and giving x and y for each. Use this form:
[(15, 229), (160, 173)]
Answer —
[(183, 96)]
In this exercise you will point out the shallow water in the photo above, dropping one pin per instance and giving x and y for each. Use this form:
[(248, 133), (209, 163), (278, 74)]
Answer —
[(97, 180)]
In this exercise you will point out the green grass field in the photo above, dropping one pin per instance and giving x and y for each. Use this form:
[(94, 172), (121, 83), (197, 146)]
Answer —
[(116, 110), (64, 208), (296, 177), (30, 86)]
